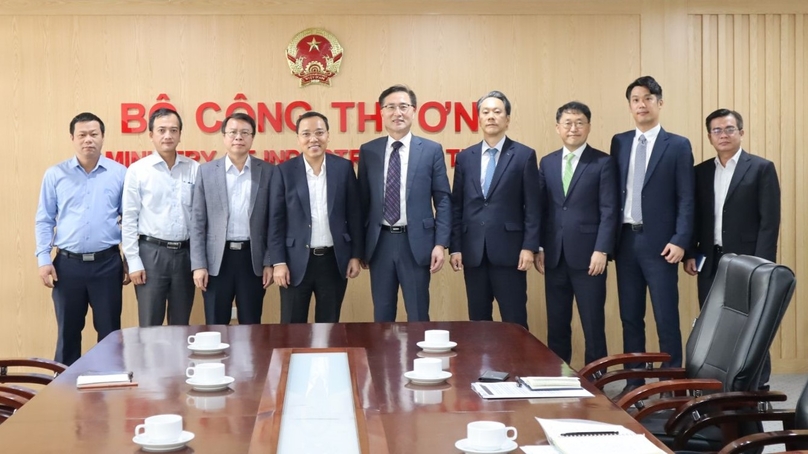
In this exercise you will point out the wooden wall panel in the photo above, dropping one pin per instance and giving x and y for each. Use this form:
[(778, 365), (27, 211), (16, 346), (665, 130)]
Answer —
[(61, 58)]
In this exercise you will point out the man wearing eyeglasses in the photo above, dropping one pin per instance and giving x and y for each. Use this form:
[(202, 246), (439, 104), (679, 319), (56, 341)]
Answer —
[(316, 235), (737, 206), (155, 225), (581, 214), (495, 216), (401, 178), (229, 254)]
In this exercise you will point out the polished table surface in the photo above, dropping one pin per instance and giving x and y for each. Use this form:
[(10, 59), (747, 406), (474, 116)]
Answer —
[(65, 420)]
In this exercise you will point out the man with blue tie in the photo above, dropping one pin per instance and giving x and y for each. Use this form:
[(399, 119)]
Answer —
[(579, 230), (78, 213), (316, 237), (402, 178), (657, 184), (495, 216)]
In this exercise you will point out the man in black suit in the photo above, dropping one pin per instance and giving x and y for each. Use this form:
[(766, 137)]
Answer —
[(737, 205), (579, 229)]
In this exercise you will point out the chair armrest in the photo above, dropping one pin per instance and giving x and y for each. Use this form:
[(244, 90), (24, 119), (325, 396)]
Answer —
[(12, 400), (628, 374), (720, 402), (21, 391), (596, 367), (651, 389), (41, 363), (765, 439), (728, 422)]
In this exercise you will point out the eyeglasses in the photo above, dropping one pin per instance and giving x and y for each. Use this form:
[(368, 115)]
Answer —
[(729, 130), (319, 133), (569, 124), (233, 134), (394, 107)]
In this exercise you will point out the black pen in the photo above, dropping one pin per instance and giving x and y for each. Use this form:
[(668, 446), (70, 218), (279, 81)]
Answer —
[(518, 381), (589, 434)]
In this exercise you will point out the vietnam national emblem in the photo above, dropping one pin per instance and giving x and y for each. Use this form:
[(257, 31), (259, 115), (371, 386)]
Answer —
[(314, 56)]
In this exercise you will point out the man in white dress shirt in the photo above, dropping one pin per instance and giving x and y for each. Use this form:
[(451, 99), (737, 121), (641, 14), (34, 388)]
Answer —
[(157, 197)]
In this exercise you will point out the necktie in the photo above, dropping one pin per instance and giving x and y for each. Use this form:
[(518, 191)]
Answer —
[(489, 171), (567, 177), (639, 180), (392, 187)]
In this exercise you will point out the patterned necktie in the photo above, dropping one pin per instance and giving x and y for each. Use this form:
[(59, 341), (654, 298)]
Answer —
[(392, 187), (567, 177), (489, 170), (639, 180)]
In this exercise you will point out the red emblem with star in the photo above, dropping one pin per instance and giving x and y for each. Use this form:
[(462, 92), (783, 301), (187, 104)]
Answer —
[(314, 56)]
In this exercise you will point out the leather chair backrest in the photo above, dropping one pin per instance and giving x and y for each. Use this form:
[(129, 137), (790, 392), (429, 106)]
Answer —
[(801, 411), (738, 321)]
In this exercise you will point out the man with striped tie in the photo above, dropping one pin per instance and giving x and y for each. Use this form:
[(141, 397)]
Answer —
[(495, 216)]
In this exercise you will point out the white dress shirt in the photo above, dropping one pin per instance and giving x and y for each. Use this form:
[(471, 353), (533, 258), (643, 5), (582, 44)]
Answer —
[(156, 202), (723, 176), (650, 137), (318, 203), (487, 157), (404, 153), (565, 152), (239, 185)]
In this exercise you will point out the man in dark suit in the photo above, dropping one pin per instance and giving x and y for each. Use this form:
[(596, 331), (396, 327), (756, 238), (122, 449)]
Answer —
[(402, 177), (495, 216), (737, 205), (579, 229), (656, 180), (229, 228), (316, 238)]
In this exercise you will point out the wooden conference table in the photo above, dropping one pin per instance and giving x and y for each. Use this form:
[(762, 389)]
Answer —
[(243, 420)]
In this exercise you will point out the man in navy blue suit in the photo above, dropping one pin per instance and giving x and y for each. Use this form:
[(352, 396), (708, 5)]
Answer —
[(495, 216), (315, 223), (402, 177), (657, 184), (579, 228)]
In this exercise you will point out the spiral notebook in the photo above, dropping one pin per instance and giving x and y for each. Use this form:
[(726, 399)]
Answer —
[(575, 436)]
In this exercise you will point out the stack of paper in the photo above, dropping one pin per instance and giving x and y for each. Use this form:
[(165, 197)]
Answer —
[(546, 383), (108, 379), (513, 390), (584, 437)]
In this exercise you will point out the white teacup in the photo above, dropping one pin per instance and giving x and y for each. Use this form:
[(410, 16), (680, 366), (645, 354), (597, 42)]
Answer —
[(206, 373), (426, 397), (206, 403), (489, 434), (161, 428), (436, 336), (205, 339), (427, 367)]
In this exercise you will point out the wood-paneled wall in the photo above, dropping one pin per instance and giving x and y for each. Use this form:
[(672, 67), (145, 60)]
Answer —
[(60, 58)]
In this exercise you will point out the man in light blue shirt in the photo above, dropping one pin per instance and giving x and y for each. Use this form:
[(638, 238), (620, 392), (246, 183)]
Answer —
[(78, 213)]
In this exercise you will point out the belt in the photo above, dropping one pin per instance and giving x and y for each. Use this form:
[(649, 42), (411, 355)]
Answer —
[(164, 243), (633, 227), (395, 228), (237, 245), (321, 251), (90, 257), (718, 249)]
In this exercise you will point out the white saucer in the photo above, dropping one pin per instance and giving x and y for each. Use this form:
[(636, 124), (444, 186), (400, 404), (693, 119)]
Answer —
[(227, 381), (419, 380), (199, 350), (436, 348), (151, 446), (464, 446)]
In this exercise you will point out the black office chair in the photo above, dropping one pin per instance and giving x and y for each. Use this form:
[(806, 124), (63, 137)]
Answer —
[(725, 352), (17, 370)]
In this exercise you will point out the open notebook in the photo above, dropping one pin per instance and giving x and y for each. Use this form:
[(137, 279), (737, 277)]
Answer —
[(575, 436)]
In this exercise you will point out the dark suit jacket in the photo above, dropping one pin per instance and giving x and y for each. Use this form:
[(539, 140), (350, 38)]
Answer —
[(210, 212), (290, 215), (751, 218), (508, 220), (667, 195), (586, 219), (427, 185)]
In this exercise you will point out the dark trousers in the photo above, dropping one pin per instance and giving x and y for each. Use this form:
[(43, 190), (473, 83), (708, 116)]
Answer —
[(506, 284), (392, 265), (236, 279), (324, 280), (169, 285), (639, 267), (97, 284), (561, 284), (705, 282)]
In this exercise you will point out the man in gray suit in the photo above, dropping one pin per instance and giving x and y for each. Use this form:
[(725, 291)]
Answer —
[(401, 178), (229, 253)]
